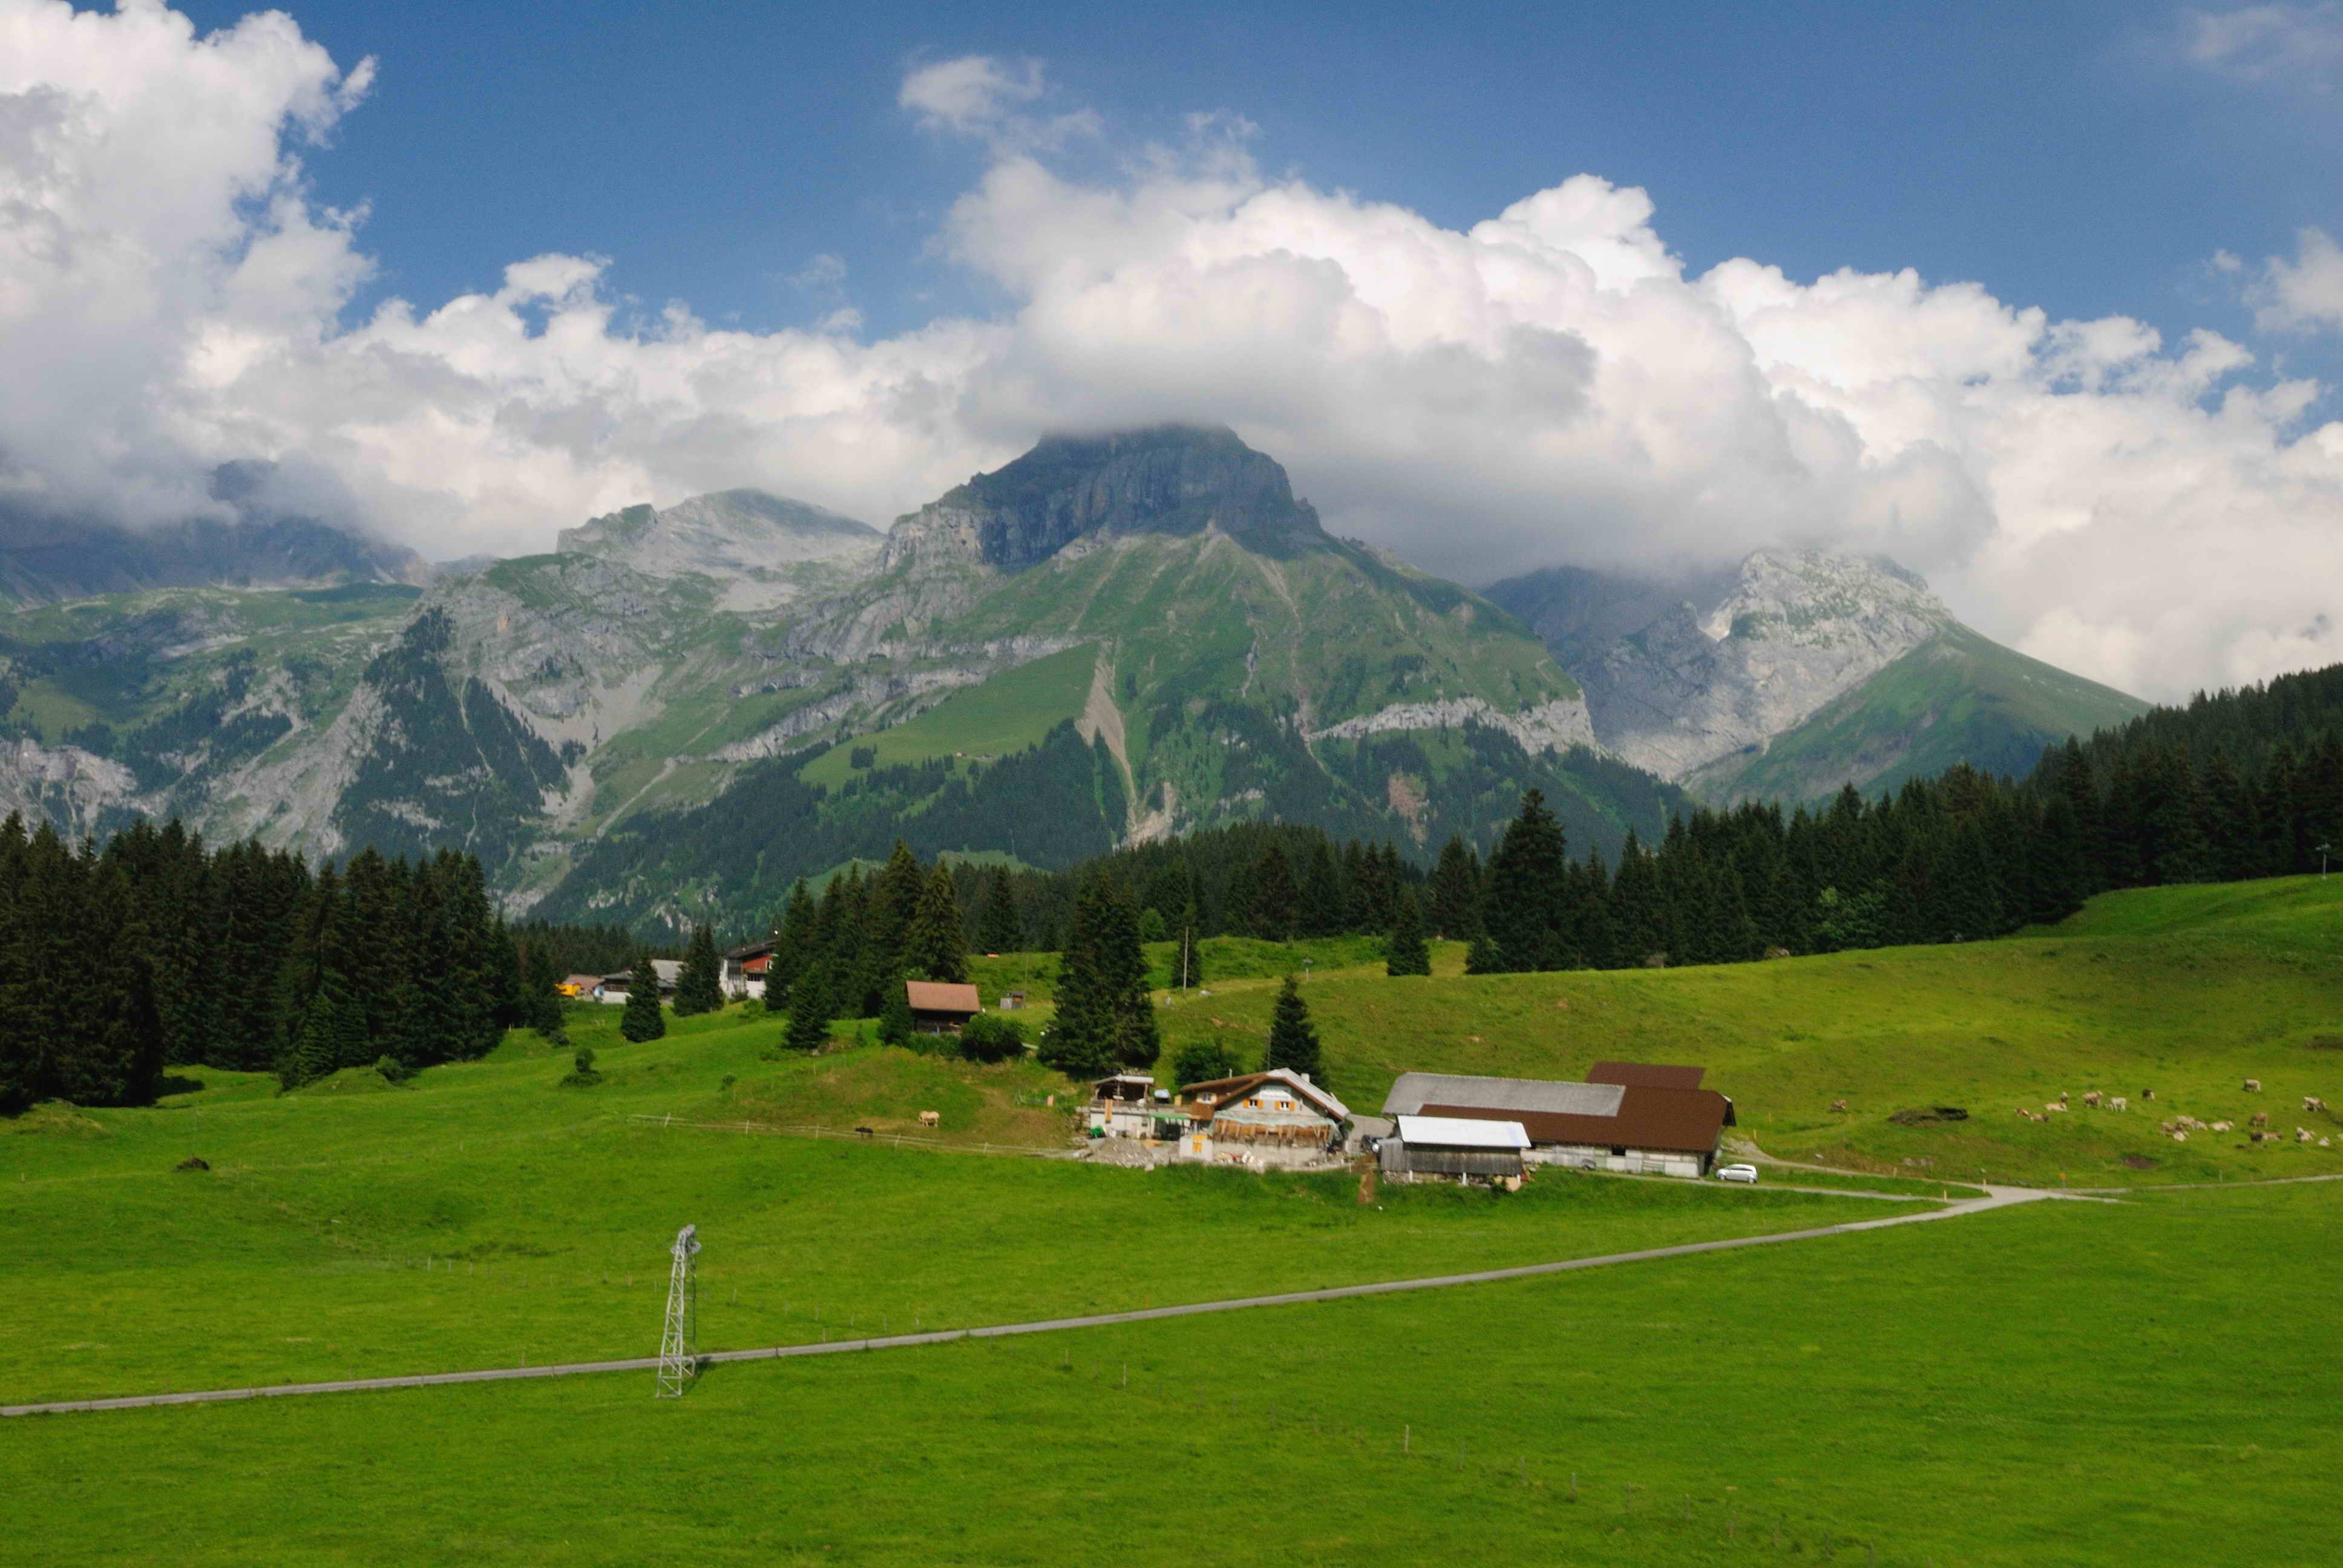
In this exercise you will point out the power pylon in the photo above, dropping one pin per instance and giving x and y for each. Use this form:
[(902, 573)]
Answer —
[(677, 1364)]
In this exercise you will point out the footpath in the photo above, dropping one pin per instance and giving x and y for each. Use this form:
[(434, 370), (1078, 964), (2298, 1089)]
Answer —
[(1995, 1197)]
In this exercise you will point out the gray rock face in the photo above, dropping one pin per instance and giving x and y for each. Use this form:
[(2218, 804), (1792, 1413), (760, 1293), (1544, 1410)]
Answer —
[(45, 558), (1723, 663), (749, 541), (1172, 479)]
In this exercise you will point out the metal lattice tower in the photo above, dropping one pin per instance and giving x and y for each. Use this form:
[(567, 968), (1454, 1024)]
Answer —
[(677, 1364)]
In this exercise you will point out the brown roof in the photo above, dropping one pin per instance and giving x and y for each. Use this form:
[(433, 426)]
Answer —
[(939, 996), (1687, 1120), (1644, 1075)]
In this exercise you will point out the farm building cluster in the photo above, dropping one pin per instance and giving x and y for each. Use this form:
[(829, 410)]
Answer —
[(1635, 1117)]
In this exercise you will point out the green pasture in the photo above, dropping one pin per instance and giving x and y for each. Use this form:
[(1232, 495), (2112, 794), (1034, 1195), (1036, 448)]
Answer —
[(2184, 991), (481, 1215), (1005, 715), (2062, 1382)]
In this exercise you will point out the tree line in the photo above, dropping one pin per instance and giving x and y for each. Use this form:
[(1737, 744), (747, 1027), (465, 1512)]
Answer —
[(116, 963)]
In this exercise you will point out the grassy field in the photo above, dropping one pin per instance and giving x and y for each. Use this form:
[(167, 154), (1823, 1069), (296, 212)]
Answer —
[(2069, 1383), (2065, 1382), (481, 1215), (1002, 716), (2184, 991)]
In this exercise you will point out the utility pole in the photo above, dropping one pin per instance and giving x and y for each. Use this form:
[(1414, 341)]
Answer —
[(677, 1364)]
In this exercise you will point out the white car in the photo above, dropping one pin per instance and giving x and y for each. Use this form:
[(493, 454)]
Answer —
[(1736, 1173)]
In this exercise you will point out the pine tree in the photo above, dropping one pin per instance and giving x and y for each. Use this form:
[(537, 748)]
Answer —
[(1292, 1042), (1525, 904), (1455, 911), (642, 1018), (934, 946), (1482, 956), (891, 907), (1275, 901), (1105, 1016), (1407, 954), (796, 945), (999, 931), (896, 1024), (542, 1001), (809, 1027), (700, 987)]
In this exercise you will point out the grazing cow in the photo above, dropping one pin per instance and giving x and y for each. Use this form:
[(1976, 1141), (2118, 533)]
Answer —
[(2119, 1103), (2312, 1102), (2259, 1119), (864, 1133), (2147, 1094), (2223, 1126), (931, 1119), (2253, 1086), (2302, 1135), (2256, 1137), (2092, 1099), (1838, 1105)]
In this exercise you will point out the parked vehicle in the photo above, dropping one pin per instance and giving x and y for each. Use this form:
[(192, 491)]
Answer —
[(1736, 1173)]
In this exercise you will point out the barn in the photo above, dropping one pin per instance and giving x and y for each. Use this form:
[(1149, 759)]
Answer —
[(939, 1007), (1637, 1117)]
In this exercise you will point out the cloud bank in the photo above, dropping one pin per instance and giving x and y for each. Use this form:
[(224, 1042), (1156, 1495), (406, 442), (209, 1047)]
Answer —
[(1550, 385)]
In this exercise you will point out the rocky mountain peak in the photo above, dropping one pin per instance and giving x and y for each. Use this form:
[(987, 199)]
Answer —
[(1165, 479), (748, 539), (1813, 597)]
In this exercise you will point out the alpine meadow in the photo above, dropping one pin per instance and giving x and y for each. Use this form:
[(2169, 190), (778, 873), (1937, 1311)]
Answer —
[(873, 791)]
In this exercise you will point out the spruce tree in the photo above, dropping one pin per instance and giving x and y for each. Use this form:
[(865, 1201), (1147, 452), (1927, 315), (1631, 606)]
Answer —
[(809, 1027), (1482, 956), (700, 987), (1275, 901), (642, 1018), (542, 1001), (999, 931), (1407, 954), (896, 1024), (797, 944), (1526, 903), (1293, 1041), (934, 947), (1455, 911), (1106, 1018)]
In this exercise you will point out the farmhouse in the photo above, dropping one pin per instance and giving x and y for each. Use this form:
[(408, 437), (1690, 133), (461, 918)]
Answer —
[(1454, 1148), (577, 987), (744, 970), (1628, 1116), (1273, 1118), (940, 1008)]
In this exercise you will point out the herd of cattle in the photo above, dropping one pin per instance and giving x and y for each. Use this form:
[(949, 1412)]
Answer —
[(2180, 1126)]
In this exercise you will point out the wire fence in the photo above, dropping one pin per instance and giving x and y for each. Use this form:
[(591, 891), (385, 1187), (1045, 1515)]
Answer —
[(896, 1140)]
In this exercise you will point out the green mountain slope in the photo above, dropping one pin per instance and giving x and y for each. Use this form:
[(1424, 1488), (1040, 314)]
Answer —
[(1957, 698)]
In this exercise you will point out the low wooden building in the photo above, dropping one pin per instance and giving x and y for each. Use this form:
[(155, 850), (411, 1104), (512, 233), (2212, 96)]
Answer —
[(1128, 1105), (1455, 1148), (939, 1006)]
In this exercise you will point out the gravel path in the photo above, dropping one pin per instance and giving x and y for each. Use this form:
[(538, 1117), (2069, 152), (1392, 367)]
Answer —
[(1995, 1198)]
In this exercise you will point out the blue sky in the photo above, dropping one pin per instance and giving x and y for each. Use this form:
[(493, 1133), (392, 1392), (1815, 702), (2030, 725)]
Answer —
[(2065, 155)]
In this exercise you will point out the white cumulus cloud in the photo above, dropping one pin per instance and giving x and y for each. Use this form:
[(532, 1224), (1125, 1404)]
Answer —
[(1549, 384)]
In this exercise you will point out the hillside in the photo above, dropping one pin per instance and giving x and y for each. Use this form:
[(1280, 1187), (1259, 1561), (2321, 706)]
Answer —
[(1795, 674), (1957, 698)]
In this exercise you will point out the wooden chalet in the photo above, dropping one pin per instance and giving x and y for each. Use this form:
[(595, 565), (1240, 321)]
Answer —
[(939, 1006)]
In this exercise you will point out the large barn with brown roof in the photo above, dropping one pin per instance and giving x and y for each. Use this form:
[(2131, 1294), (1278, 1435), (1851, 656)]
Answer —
[(1628, 1116)]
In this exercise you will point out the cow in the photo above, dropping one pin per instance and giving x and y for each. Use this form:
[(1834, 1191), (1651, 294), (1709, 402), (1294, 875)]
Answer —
[(2180, 1138), (2259, 1119), (2223, 1126), (2054, 1105), (2302, 1135), (2253, 1086), (2147, 1094), (1838, 1105), (2312, 1102), (2119, 1103), (931, 1119), (2091, 1099), (865, 1133)]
